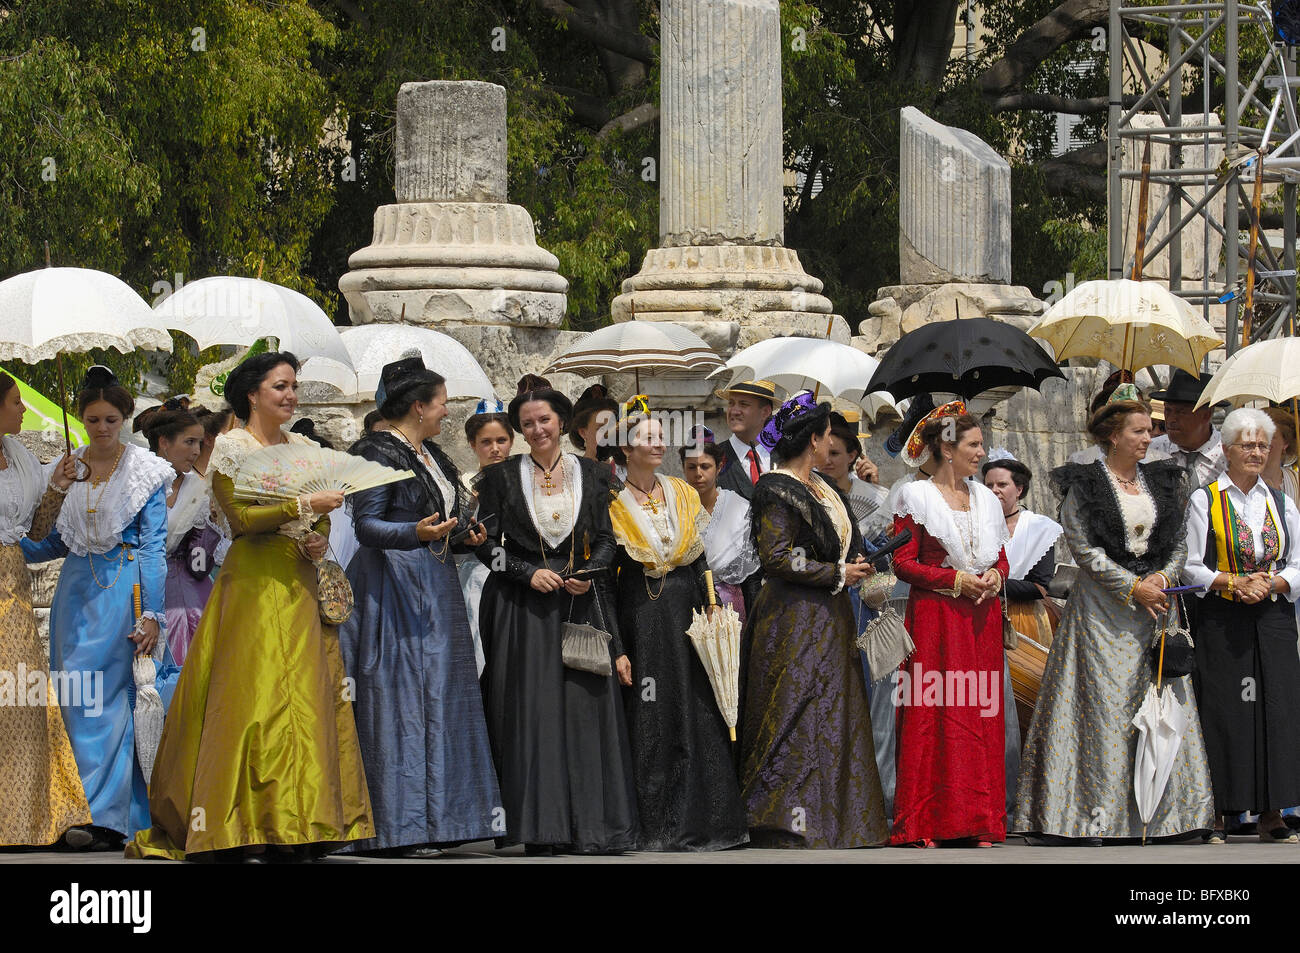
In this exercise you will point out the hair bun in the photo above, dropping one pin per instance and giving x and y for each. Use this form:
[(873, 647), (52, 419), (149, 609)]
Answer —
[(531, 382), (99, 377)]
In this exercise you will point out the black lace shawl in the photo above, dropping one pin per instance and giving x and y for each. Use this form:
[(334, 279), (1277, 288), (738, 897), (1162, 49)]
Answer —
[(394, 452), (781, 489), (1168, 484)]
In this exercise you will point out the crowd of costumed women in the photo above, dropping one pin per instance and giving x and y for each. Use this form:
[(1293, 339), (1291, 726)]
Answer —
[(514, 666)]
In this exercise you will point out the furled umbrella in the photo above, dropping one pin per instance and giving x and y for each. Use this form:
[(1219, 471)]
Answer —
[(798, 363), (238, 311), (965, 357), (635, 346), (716, 637), (1131, 324), (371, 346), (52, 311), (1161, 722)]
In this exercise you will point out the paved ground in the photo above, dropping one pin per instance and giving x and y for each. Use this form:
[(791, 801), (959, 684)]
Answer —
[(1239, 850)]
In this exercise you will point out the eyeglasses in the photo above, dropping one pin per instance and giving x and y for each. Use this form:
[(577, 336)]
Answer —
[(1252, 447)]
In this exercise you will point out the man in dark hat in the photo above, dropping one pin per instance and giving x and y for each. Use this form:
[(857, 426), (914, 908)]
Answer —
[(749, 405), (1190, 437)]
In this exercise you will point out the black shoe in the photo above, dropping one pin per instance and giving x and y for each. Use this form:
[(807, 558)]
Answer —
[(78, 838), (539, 850)]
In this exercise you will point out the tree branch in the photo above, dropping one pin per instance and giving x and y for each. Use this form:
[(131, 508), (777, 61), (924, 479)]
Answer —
[(1069, 21), (598, 31), (590, 110), (353, 12), (1081, 172), (633, 119), (1049, 102)]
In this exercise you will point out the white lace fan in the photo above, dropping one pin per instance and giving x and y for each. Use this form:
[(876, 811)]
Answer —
[(286, 471)]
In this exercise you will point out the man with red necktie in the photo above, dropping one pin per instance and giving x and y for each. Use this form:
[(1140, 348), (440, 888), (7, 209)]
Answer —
[(749, 405)]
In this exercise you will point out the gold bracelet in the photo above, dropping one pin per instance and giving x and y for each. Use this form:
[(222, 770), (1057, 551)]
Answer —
[(1232, 586), (955, 592), (1132, 589)]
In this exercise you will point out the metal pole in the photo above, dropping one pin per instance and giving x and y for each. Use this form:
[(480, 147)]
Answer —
[(1231, 231), (1175, 162), (1115, 148)]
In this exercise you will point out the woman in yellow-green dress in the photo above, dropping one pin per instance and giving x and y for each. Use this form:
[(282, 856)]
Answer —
[(259, 757)]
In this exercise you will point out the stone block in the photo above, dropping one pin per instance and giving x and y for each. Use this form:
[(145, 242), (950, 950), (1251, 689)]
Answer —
[(954, 205), (451, 142)]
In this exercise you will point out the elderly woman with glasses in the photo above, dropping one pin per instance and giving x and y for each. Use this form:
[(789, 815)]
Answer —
[(1241, 546)]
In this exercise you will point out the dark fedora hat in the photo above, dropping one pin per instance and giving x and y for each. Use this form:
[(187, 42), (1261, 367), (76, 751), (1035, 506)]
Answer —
[(1184, 388)]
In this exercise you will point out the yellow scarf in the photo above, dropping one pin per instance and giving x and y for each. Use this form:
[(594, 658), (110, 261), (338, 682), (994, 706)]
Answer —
[(629, 529)]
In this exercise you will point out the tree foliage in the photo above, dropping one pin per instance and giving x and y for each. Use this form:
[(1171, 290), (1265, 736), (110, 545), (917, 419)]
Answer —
[(203, 137)]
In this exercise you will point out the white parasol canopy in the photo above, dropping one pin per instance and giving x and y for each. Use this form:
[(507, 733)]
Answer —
[(796, 364), (239, 311), (371, 346), (1265, 370), (636, 346), (72, 310), (1131, 324)]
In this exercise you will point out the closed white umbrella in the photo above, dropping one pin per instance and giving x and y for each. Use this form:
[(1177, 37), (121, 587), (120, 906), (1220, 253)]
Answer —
[(1161, 722), (71, 310), (816, 364), (371, 346), (1131, 324)]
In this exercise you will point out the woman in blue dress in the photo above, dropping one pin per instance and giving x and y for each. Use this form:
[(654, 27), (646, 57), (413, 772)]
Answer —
[(112, 530), (407, 645)]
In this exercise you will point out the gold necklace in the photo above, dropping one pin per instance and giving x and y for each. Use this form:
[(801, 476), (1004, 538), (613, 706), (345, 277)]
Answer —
[(650, 502), (547, 482), (92, 523)]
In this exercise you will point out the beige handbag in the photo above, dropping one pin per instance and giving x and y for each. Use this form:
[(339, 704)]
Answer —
[(886, 643)]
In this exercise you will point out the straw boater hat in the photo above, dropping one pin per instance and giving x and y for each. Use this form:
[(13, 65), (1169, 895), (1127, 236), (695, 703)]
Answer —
[(764, 389)]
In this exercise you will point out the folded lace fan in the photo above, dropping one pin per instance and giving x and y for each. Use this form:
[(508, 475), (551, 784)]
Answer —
[(286, 471)]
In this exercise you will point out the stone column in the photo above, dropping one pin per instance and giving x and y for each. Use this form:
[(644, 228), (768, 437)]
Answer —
[(452, 250), (720, 103), (720, 268), (954, 236)]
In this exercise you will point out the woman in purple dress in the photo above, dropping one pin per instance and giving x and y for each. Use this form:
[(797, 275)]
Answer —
[(177, 436)]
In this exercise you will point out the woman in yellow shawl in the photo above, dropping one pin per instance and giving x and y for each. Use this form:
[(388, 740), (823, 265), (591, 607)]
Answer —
[(688, 797), (259, 758)]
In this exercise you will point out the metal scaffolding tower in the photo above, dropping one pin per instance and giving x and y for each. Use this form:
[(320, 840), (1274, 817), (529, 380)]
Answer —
[(1174, 58)]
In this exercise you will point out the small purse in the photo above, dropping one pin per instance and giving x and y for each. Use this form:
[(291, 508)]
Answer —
[(1010, 637), (334, 592), (586, 648), (1180, 651), (886, 643)]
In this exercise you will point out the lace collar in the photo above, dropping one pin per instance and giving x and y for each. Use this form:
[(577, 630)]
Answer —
[(190, 511), (21, 486), (138, 476), (1035, 535), (974, 551)]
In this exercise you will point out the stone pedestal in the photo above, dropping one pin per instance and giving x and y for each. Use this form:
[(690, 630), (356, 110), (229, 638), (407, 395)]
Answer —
[(721, 212), (452, 250)]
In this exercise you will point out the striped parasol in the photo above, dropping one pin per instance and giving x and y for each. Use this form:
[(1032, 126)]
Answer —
[(634, 346)]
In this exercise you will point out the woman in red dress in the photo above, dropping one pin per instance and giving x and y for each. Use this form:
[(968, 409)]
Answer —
[(948, 694)]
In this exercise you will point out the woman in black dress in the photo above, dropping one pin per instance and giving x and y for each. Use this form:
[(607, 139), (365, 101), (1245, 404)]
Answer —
[(687, 795), (558, 734)]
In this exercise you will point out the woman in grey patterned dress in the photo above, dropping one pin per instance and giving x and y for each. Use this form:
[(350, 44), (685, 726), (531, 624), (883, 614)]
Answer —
[(1124, 525)]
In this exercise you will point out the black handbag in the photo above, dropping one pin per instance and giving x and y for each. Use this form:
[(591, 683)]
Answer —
[(1179, 657)]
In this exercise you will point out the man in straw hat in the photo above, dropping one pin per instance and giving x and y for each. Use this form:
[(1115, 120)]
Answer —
[(749, 405)]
